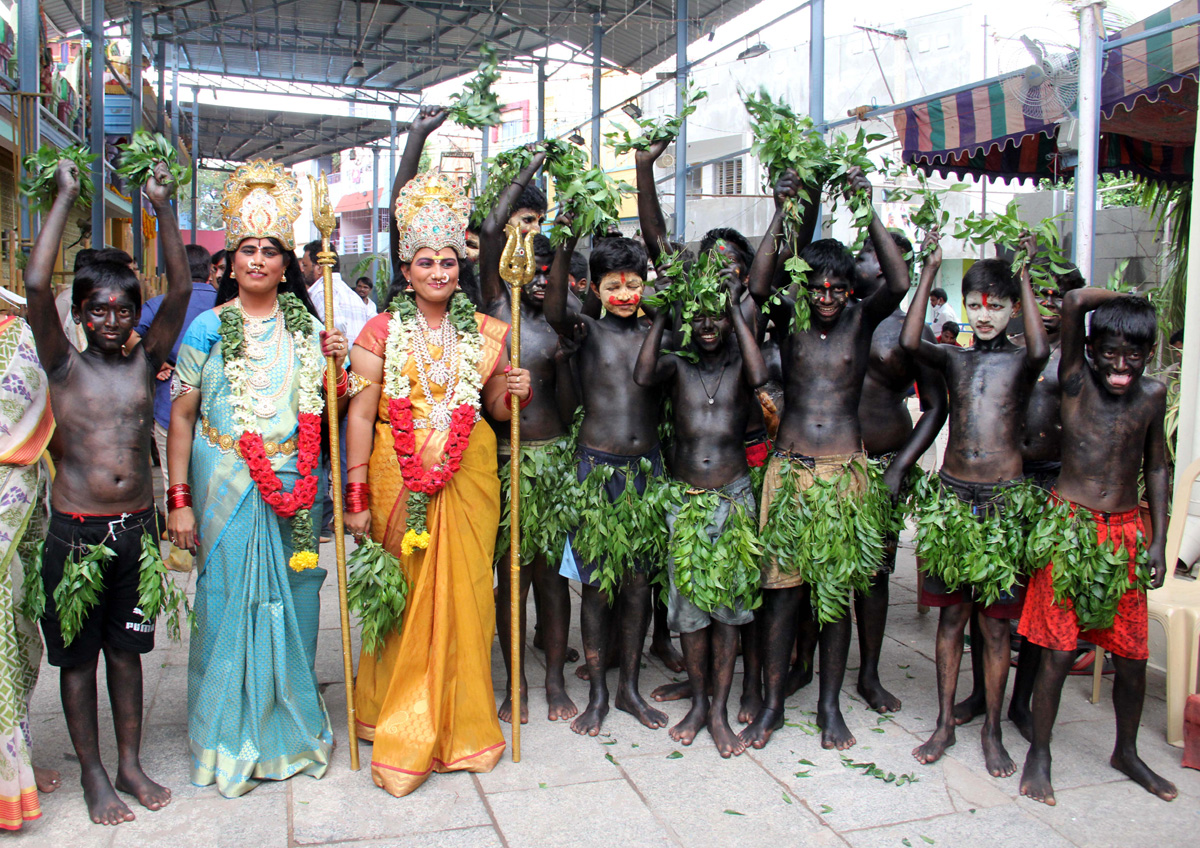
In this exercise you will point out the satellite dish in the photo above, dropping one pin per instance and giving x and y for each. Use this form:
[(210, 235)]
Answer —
[(1047, 84), (667, 161)]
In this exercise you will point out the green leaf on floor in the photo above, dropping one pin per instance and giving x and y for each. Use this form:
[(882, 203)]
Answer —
[(610, 758), (878, 730), (635, 744), (541, 786), (733, 813), (675, 755), (609, 742), (803, 774), (825, 808), (906, 843), (807, 763), (927, 840), (787, 799), (901, 666)]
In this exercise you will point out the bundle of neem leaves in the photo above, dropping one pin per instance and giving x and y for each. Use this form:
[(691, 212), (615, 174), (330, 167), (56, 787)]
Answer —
[(502, 169), (39, 184), (697, 288), (477, 106), (653, 129), (846, 152), (377, 592), (139, 156), (588, 193), (1005, 230), (929, 216)]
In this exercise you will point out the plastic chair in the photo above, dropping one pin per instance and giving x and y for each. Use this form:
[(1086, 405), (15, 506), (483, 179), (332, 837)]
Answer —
[(1176, 606)]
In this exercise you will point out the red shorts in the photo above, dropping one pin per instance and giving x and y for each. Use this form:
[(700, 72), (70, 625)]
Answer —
[(1050, 625)]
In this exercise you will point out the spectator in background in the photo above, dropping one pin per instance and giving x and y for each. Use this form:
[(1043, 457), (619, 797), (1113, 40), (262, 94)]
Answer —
[(217, 265), (940, 311), (203, 298), (349, 311), (577, 276), (363, 287), (949, 334)]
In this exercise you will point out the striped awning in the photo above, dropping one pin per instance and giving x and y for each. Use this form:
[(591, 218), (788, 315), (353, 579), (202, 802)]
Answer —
[(1147, 124)]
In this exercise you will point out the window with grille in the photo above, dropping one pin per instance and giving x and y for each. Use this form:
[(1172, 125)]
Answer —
[(727, 177)]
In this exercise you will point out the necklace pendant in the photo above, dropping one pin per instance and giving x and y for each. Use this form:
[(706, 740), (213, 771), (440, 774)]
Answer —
[(260, 380), (439, 373), (711, 401), (255, 351), (439, 417), (264, 409)]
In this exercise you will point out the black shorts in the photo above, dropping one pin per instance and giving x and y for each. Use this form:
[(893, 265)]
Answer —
[(115, 620)]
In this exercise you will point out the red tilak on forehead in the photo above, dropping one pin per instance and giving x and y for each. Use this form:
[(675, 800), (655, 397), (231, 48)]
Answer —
[(622, 278), (545, 268), (986, 305), (827, 284), (112, 298)]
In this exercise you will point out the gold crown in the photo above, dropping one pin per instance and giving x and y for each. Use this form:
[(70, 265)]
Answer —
[(431, 211), (261, 200)]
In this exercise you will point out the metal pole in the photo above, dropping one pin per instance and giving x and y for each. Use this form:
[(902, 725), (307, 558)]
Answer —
[(541, 109), (29, 127), (816, 76), (161, 61), (96, 38), (375, 212), (1090, 28), (483, 161), (175, 93), (681, 74), (392, 147), (597, 48), (135, 122), (195, 160)]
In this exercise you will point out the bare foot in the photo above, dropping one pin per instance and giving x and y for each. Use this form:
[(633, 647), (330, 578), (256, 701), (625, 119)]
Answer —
[(581, 671), (589, 721), (1022, 719), (877, 698), (758, 733), (631, 701), (149, 794), (505, 712), (935, 746), (103, 805), (834, 733), (561, 705), (47, 779), (999, 763), (1131, 766), (665, 650), (1035, 778), (970, 708), (751, 705), (685, 732), (572, 655), (799, 676), (728, 743), (672, 691)]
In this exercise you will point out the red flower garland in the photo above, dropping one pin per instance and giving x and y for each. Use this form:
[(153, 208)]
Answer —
[(404, 441), (285, 504)]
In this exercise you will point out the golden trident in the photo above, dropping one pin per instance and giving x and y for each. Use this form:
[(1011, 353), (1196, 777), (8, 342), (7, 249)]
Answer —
[(516, 269), (323, 218)]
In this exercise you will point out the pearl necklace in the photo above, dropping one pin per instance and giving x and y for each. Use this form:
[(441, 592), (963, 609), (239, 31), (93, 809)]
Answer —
[(443, 371)]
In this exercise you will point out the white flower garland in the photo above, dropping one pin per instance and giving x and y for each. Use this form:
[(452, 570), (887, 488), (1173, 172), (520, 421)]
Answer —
[(397, 351), (237, 372)]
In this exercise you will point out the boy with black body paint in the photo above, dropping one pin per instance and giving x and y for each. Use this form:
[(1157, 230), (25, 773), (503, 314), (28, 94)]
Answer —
[(989, 385), (543, 428), (620, 430), (710, 455), (1112, 422), (1041, 457), (103, 493), (824, 367)]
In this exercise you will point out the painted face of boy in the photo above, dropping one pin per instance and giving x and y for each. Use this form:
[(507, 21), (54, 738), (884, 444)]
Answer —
[(987, 314), (473, 246), (534, 294), (526, 220), (621, 292), (108, 316), (711, 332), (1117, 362), (827, 295), (1049, 298)]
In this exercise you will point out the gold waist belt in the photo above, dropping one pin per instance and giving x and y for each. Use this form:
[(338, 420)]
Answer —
[(226, 443)]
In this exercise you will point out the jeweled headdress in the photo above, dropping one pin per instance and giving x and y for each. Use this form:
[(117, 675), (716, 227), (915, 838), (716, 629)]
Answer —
[(261, 200), (431, 211)]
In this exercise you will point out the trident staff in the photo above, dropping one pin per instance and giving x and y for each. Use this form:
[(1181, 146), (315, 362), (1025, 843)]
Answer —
[(324, 220), (516, 269)]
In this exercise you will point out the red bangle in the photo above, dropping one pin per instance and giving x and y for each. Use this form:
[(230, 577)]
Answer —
[(358, 497), (178, 497), (342, 383), (352, 467), (528, 399)]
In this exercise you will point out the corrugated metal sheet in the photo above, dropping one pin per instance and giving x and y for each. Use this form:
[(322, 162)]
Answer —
[(414, 43)]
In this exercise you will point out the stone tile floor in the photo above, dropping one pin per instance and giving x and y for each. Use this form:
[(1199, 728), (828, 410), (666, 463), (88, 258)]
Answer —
[(628, 788)]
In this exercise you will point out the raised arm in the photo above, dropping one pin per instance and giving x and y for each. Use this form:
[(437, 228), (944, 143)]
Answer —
[(429, 118), (557, 307), (1037, 343), (884, 300), (1072, 332), (753, 364), (650, 214), (52, 345), (491, 235), (913, 331), (653, 366), (762, 269), (167, 324)]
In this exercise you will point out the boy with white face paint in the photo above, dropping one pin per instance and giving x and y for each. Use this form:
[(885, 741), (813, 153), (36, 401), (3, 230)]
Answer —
[(989, 385)]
